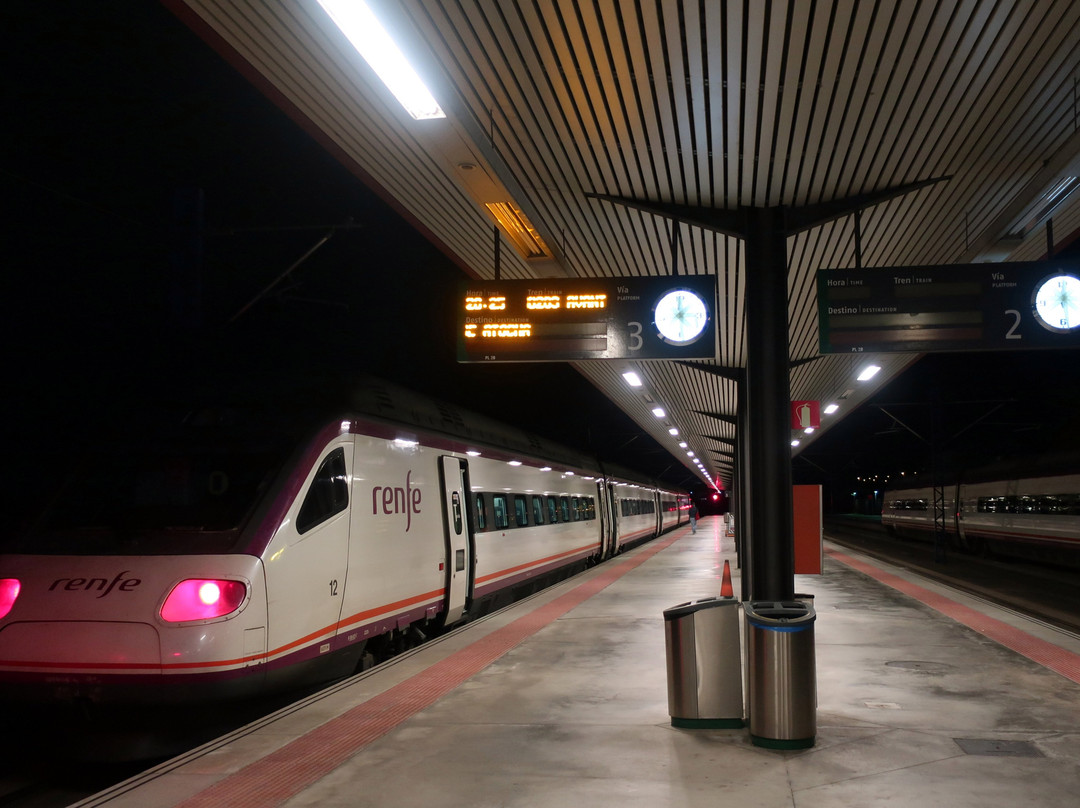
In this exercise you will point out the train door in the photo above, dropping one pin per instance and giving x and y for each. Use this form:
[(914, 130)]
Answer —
[(613, 522), (958, 516), (604, 520), (459, 544)]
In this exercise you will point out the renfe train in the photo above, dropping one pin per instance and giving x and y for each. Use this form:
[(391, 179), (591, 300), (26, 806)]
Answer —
[(225, 559), (1035, 517)]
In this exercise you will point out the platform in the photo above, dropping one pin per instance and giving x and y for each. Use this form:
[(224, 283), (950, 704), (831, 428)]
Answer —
[(925, 697)]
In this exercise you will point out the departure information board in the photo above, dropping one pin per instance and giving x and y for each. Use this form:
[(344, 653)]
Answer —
[(949, 308), (561, 319)]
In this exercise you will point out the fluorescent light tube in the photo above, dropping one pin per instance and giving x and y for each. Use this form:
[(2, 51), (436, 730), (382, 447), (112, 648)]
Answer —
[(363, 29)]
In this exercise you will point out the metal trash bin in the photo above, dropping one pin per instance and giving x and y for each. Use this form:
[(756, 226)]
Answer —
[(704, 664), (782, 675)]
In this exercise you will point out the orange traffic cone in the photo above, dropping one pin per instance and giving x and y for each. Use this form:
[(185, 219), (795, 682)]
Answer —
[(725, 583)]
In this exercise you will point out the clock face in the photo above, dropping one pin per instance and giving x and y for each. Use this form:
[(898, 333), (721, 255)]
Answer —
[(1056, 303), (680, 316)]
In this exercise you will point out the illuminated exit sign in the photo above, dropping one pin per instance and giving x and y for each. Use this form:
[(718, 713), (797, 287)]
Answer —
[(555, 320)]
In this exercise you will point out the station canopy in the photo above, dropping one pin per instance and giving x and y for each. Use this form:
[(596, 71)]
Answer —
[(546, 110)]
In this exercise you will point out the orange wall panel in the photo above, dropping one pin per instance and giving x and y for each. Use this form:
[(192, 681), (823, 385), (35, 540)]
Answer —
[(808, 529)]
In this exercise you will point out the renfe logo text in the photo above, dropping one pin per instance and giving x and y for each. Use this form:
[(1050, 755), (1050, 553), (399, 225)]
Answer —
[(397, 500), (102, 585)]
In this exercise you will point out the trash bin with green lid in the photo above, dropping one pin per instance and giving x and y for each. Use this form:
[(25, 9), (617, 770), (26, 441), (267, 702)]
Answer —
[(782, 673), (704, 664)]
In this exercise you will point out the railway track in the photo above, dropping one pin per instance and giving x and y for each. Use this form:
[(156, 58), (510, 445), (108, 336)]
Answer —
[(1046, 593)]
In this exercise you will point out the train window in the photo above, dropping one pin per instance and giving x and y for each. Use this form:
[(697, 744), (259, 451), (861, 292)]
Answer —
[(538, 510), (575, 508), (1060, 504), (564, 508), (917, 505), (328, 495), (996, 505), (501, 511), (553, 510), (481, 513), (1057, 504), (521, 511), (590, 508)]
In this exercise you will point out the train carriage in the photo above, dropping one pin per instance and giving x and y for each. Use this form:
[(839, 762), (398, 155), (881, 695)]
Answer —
[(1035, 517), (189, 571)]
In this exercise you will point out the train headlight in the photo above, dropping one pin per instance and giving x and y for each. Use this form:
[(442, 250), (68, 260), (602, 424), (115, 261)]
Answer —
[(202, 599), (9, 591)]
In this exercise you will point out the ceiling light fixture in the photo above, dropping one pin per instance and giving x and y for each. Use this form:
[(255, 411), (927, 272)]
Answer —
[(363, 29), (632, 378), (518, 229), (1044, 207), (868, 372), (659, 412)]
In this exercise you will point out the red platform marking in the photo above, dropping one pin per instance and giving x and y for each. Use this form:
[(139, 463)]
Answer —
[(282, 774), (1045, 653)]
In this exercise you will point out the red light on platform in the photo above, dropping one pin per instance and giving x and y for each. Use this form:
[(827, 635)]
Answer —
[(202, 599)]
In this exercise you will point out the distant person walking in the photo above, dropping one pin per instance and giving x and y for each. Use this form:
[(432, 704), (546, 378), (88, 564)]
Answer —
[(693, 517)]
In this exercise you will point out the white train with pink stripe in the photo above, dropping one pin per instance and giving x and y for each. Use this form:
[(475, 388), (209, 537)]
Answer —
[(227, 559)]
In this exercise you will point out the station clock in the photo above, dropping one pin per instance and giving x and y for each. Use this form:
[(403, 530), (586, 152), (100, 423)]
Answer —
[(680, 316), (1055, 302)]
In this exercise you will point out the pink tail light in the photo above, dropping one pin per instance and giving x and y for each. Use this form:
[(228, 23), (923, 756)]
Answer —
[(9, 591), (202, 599)]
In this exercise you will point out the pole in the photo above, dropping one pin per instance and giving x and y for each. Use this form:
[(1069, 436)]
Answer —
[(772, 539)]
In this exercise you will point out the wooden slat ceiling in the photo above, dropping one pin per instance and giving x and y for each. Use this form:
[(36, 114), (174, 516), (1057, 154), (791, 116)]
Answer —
[(696, 102)]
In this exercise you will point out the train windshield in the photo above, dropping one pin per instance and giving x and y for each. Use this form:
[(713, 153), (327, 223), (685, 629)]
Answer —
[(153, 500)]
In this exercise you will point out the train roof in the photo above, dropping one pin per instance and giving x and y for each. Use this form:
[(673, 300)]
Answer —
[(1046, 464), (254, 410)]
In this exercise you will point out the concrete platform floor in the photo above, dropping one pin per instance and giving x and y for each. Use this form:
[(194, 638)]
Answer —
[(561, 700)]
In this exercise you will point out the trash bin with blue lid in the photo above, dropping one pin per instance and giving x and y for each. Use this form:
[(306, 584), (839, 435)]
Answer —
[(782, 673), (704, 664)]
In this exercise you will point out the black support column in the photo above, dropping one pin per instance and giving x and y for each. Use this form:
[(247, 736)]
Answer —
[(763, 457), (772, 553), (742, 491)]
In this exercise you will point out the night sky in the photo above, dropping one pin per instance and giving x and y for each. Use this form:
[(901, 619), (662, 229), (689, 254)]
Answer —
[(118, 120)]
